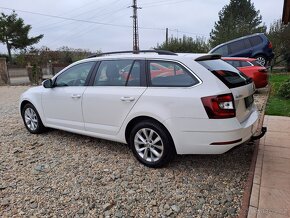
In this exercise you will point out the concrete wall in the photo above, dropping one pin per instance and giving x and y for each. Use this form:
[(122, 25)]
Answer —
[(19, 76), (17, 72)]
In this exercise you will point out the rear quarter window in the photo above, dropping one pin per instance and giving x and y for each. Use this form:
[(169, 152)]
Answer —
[(170, 74), (256, 40), (223, 51), (229, 75), (245, 64), (233, 63)]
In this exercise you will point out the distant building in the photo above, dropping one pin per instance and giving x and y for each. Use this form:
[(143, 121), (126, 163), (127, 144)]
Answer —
[(286, 12)]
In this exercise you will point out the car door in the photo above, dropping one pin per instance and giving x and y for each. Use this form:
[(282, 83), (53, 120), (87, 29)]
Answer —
[(62, 104), (112, 95)]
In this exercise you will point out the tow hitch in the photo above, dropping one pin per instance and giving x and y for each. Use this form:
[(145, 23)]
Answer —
[(263, 131)]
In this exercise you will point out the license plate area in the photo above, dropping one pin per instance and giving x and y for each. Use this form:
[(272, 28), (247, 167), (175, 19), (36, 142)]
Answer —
[(249, 101)]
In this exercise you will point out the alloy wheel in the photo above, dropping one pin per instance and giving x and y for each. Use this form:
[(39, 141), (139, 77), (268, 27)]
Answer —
[(261, 60), (30, 118), (148, 144)]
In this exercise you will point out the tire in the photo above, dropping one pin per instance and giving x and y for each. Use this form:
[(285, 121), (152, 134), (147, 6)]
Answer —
[(261, 59), (32, 119), (151, 144)]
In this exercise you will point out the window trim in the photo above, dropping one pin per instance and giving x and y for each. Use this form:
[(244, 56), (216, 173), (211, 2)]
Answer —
[(148, 76), (70, 67)]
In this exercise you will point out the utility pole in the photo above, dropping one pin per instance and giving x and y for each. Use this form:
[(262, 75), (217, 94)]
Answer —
[(135, 27), (166, 37)]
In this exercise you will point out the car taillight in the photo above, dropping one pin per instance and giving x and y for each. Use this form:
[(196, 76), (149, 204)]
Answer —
[(219, 106), (270, 45)]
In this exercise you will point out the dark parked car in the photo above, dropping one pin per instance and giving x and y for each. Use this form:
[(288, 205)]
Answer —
[(254, 46)]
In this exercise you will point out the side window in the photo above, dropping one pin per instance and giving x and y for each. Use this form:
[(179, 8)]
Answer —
[(245, 64), (74, 76), (247, 43), (223, 51), (229, 62), (236, 46), (234, 63), (118, 73), (255, 40), (170, 74)]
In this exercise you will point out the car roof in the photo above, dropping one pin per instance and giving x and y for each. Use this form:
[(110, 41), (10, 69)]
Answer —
[(234, 40), (238, 59), (177, 56)]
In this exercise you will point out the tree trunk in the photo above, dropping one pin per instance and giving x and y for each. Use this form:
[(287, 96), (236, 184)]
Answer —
[(9, 51)]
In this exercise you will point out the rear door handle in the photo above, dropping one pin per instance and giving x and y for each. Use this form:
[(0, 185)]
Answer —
[(75, 96), (127, 99)]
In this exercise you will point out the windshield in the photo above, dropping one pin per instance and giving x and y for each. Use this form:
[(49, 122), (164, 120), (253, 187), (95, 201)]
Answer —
[(228, 74)]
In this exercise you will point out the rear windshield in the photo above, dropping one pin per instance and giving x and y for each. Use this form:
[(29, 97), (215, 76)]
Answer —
[(229, 75)]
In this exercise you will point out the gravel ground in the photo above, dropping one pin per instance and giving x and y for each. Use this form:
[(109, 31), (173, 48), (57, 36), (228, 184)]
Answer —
[(64, 174)]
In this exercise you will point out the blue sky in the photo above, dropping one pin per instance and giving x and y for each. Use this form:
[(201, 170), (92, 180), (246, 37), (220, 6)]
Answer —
[(190, 17)]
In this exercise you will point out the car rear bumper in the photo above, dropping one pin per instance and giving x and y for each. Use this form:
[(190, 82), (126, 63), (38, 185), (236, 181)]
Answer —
[(260, 79), (206, 136)]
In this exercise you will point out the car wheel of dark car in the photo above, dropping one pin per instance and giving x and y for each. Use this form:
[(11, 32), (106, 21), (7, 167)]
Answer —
[(261, 60)]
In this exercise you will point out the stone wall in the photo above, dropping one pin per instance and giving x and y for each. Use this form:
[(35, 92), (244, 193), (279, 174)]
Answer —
[(3, 72)]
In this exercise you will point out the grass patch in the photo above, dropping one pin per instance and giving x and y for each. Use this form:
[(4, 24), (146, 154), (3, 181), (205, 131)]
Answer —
[(277, 105)]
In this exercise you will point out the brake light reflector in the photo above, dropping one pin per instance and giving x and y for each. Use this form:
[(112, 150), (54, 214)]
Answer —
[(219, 106), (270, 45)]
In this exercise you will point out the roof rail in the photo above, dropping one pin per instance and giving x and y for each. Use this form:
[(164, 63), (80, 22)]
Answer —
[(160, 52)]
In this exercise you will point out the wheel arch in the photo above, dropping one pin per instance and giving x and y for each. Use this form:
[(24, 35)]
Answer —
[(27, 101), (261, 55), (138, 119), (23, 103)]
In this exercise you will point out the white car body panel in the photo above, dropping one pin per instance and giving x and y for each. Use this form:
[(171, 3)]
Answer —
[(110, 101), (100, 112), (62, 106)]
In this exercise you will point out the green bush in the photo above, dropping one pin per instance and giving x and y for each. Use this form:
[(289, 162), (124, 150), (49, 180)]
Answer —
[(284, 89)]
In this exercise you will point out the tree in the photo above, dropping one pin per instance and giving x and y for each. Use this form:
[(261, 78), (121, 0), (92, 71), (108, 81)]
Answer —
[(238, 18), (279, 35), (186, 44), (14, 33)]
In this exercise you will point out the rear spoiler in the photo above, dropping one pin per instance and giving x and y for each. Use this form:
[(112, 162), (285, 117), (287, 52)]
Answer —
[(208, 57)]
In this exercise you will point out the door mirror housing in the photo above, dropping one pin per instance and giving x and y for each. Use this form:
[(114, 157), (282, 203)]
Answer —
[(47, 83)]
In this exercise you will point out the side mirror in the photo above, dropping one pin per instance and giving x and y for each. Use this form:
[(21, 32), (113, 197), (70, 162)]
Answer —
[(47, 83)]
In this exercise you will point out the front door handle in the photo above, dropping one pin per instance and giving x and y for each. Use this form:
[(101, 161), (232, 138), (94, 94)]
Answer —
[(127, 99), (75, 96)]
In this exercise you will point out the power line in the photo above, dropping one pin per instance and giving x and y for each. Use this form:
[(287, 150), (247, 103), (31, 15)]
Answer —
[(154, 2), (67, 18), (56, 24), (89, 21), (80, 20), (74, 9), (163, 3)]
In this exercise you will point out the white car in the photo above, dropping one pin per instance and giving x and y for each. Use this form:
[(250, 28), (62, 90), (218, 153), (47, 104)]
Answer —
[(160, 103)]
